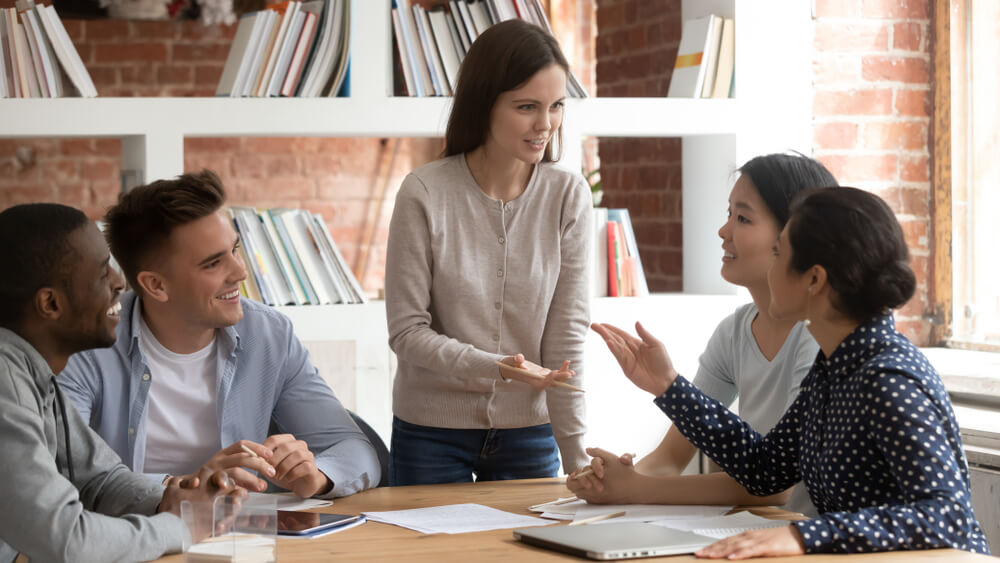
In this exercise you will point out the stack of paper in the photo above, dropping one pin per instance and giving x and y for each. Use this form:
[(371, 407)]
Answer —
[(455, 519), (649, 512), (722, 526)]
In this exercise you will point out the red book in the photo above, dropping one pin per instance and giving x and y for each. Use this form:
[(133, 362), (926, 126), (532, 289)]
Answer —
[(612, 259)]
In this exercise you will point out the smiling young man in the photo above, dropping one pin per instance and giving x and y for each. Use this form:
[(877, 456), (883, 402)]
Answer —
[(66, 495), (198, 373)]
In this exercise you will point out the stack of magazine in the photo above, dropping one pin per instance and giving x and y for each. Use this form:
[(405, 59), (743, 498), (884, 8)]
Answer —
[(37, 57), (290, 49), (431, 45), (291, 259)]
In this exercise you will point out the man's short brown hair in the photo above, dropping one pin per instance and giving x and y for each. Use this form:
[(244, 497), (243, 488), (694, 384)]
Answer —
[(140, 224)]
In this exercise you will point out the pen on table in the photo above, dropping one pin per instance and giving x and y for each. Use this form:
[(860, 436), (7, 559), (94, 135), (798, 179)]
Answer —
[(522, 371), (597, 518), (590, 470)]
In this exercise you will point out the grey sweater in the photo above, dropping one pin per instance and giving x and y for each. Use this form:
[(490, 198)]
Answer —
[(47, 517), (470, 280)]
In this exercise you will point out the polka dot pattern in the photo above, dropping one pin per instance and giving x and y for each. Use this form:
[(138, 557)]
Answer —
[(872, 435)]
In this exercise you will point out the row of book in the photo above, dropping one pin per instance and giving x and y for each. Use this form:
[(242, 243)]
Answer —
[(431, 44), (292, 259), (706, 59), (37, 57), (289, 49), (617, 268)]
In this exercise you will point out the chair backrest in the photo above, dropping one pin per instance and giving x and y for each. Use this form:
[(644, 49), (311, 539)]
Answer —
[(378, 444), (380, 449)]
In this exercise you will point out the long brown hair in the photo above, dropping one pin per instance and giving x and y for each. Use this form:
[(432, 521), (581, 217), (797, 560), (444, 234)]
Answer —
[(504, 57)]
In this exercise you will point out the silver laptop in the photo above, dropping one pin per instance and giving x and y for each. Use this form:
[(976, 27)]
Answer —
[(625, 540)]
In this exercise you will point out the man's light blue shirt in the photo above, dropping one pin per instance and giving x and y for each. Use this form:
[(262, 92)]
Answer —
[(263, 374)]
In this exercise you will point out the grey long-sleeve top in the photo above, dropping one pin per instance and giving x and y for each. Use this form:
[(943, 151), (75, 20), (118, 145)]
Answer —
[(105, 514), (469, 280)]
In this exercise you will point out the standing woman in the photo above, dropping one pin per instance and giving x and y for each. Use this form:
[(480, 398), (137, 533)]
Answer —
[(872, 434), (488, 261)]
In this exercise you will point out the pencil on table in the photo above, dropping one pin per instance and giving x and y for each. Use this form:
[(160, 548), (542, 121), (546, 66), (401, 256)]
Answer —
[(590, 470), (598, 518), (562, 384)]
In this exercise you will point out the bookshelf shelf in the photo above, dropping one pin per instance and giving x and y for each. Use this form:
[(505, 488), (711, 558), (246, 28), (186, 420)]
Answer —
[(338, 117), (772, 112)]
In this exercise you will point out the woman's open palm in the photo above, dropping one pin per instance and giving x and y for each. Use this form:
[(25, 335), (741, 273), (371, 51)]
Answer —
[(644, 361)]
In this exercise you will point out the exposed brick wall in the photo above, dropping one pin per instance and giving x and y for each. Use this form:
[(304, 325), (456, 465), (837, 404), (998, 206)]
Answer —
[(872, 108), (343, 179), (636, 45)]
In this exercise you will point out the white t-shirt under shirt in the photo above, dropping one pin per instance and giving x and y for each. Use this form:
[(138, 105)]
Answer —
[(182, 425), (733, 365)]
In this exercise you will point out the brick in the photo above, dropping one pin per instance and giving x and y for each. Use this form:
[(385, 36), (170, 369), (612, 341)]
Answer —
[(146, 30), (105, 193), (915, 232), (247, 165), (76, 147), (907, 36), (850, 169), (98, 170), (174, 74), (76, 29), (910, 70), (212, 144), (60, 170), (838, 135), (876, 101), (895, 135), (16, 195), (108, 147), (917, 331), (916, 307), (896, 9), (914, 169), (609, 18), (106, 30), (207, 74), (288, 188), (269, 145), (76, 195), (103, 76), (837, 8), (130, 52), (856, 36), (913, 102), (631, 13), (200, 53), (907, 201), (281, 165)]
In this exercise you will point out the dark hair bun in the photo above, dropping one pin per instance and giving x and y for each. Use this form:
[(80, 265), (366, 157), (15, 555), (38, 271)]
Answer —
[(891, 287), (855, 236)]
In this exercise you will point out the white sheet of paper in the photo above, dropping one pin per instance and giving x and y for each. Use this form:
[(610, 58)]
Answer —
[(567, 509), (648, 512), (723, 526), (455, 519), (554, 516), (289, 501)]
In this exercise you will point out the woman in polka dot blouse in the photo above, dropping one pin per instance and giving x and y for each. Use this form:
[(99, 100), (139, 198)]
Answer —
[(872, 433)]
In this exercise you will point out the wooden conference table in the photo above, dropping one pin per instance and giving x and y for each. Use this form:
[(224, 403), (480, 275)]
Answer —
[(374, 541)]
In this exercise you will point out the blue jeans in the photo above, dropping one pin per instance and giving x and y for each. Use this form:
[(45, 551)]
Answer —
[(423, 455)]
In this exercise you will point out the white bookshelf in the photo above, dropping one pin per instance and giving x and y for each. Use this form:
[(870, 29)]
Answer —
[(770, 113)]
